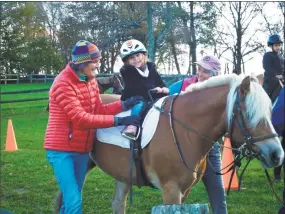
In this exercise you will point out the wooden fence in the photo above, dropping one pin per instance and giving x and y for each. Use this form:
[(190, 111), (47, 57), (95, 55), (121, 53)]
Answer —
[(10, 77), (18, 78), (168, 79)]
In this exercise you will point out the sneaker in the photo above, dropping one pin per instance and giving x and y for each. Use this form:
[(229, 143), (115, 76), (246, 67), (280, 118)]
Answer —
[(130, 131)]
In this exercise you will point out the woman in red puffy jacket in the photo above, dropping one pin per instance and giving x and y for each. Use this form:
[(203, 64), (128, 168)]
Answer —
[(75, 111)]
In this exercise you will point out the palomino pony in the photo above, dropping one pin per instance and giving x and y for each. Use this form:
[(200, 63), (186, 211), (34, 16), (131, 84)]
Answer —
[(114, 81), (195, 120)]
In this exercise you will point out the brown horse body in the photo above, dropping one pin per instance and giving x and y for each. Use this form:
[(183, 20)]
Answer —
[(204, 110), (161, 160)]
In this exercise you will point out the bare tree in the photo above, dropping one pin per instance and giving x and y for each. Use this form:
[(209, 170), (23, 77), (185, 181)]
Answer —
[(272, 24), (198, 21), (239, 16)]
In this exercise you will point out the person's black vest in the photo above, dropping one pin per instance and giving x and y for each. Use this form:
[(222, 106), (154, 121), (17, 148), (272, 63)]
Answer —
[(273, 65), (137, 85)]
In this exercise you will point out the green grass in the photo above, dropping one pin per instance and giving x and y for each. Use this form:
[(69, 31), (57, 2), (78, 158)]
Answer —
[(29, 186)]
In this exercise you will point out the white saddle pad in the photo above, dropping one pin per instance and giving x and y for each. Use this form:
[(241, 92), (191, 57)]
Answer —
[(113, 135)]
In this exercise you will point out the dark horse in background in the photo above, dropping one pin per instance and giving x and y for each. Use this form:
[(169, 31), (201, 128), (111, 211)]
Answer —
[(114, 81)]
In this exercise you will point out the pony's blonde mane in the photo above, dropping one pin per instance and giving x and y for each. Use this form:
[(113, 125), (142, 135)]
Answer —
[(258, 104)]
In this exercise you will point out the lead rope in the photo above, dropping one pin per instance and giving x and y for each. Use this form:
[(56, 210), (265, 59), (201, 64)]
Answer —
[(272, 189)]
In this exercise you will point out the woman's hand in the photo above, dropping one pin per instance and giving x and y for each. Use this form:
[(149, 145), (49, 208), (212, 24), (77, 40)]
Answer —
[(279, 76)]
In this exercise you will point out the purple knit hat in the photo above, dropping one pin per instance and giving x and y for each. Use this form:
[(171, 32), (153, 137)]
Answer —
[(84, 51)]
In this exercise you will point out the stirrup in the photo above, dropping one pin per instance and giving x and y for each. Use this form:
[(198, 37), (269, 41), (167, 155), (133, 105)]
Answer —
[(129, 137)]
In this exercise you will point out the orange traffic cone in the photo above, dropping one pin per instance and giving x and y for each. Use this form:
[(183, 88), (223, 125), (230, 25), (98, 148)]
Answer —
[(11, 144), (226, 160)]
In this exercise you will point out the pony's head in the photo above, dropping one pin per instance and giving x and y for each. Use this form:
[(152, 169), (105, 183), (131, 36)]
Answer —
[(248, 117), (249, 120)]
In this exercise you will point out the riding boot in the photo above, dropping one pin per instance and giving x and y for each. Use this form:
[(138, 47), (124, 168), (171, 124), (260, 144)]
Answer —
[(130, 131)]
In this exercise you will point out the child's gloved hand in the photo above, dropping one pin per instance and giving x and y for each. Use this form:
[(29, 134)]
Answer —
[(129, 103), (129, 120)]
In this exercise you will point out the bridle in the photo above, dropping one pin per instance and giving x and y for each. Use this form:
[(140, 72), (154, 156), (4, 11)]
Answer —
[(247, 147)]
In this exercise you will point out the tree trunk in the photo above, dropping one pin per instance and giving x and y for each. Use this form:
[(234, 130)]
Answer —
[(187, 36), (193, 43), (189, 58), (173, 51), (103, 62), (150, 36), (243, 67), (113, 59), (239, 41)]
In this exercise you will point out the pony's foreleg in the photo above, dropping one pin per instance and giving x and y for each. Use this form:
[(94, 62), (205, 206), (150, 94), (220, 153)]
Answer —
[(171, 193), (120, 197)]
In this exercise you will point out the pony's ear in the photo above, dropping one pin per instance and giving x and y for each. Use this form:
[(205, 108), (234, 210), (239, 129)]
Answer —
[(254, 79), (245, 86)]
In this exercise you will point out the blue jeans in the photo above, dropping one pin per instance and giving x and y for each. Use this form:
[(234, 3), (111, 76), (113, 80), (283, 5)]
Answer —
[(214, 183), (69, 169), (137, 109)]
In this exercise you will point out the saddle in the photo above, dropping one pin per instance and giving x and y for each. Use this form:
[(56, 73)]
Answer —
[(136, 152), (136, 149)]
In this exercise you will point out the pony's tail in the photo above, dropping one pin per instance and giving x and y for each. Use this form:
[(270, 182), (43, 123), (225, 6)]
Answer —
[(58, 203)]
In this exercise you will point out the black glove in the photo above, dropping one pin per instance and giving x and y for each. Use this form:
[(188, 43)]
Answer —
[(129, 120), (129, 103)]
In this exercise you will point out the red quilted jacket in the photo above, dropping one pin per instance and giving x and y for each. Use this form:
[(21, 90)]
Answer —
[(76, 110)]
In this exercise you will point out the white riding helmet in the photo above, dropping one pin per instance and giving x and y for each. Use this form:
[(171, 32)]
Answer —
[(130, 47)]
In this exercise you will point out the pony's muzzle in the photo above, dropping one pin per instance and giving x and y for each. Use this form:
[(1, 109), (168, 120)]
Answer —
[(271, 153), (275, 158)]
